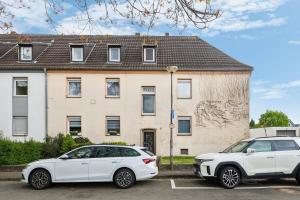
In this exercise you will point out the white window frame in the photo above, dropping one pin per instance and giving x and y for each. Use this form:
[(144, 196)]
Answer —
[(68, 87), (68, 125), (119, 54), (20, 134), (148, 93), (178, 91), (106, 124), (184, 118), (16, 79), (106, 87), (22, 54), (154, 55), (73, 53)]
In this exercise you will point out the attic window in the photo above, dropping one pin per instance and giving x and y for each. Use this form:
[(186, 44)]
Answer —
[(114, 53), (149, 54), (77, 53), (26, 53)]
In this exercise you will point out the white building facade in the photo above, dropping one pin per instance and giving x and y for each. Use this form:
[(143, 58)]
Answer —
[(22, 112)]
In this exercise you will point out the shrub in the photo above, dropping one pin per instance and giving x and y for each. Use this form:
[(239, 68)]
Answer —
[(82, 140), (13, 153), (115, 143)]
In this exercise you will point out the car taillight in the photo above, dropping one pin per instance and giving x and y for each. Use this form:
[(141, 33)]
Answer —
[(148, 160)]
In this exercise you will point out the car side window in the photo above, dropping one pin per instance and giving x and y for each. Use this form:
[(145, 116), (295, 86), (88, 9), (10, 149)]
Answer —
[(128, 152), (84, 152), (261, 146), (107, 152), (285, 145)]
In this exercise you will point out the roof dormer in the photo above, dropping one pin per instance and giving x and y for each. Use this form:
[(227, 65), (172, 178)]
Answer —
[(25, 52)]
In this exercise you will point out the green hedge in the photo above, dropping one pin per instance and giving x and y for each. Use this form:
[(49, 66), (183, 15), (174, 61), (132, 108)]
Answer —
[(14, 153)]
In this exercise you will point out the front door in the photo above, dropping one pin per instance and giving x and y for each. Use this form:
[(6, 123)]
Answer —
[(149, 140)]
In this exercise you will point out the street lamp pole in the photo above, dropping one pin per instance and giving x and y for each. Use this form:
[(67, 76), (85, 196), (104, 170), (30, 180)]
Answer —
[(171, 70)]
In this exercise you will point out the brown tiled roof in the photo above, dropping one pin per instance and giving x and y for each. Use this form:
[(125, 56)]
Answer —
[(53, 52)]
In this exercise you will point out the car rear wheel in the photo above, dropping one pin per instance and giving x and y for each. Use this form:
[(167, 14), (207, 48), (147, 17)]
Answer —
[(40, 179), (124, 178), (229, 177)]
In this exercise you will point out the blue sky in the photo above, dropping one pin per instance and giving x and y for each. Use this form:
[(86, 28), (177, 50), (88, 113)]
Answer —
[(262, 33)]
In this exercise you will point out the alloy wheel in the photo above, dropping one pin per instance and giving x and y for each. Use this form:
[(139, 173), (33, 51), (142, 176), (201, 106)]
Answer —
[(40, 179), (230, 177), (124, 178)]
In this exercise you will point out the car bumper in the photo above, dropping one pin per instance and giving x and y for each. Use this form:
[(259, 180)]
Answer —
[(148, 174), (24, 178), (203, 171)]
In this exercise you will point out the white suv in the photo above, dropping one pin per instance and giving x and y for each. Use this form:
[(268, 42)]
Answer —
[(95, 163), (269, 157)]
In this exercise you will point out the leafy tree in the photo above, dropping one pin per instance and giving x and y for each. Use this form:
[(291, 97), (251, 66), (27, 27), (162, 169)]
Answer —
[(252, 123), (272, 119), (147, 13)]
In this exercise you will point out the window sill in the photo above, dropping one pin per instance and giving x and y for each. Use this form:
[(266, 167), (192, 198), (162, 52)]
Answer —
[(180, 134), (112, 97), (20, 135), (73, 96), (112, 135), (184, 97), (148, 114)]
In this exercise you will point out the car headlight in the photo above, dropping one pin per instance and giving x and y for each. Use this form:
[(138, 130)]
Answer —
[(200, 161)]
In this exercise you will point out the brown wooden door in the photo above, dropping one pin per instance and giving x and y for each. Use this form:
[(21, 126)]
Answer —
[(149, 140)]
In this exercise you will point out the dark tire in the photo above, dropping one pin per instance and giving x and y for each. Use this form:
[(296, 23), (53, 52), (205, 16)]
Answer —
[(40, 179), (124, 178), (298, 177), (229, 177)]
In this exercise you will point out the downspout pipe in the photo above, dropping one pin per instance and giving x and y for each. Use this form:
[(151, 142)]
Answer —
[(46, 102)]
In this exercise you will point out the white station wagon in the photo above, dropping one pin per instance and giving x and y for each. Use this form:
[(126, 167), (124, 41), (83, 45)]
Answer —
[(123, 165)]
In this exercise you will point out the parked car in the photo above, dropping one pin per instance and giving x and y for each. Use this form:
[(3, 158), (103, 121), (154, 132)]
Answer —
[(123, 165), (267, 157)]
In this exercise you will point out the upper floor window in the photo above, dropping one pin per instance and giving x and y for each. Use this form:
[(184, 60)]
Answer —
[(74, 87), (114, 54), (20, 87), (112, 87), (149, 54), (148, 98), (26, 53), (184, 88), (77, 53)]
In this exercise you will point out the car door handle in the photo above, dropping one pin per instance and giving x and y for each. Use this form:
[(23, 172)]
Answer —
[(270, 157), (115, 162), (84, 163)]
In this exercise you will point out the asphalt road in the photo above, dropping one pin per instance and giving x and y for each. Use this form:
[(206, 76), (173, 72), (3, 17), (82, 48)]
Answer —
[(163, 189)]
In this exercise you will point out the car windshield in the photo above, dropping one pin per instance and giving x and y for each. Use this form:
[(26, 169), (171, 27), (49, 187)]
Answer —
[(238, 147)]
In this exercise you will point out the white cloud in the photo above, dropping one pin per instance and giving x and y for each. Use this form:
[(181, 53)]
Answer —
[(267, 90), (295, 42), (246, 14)]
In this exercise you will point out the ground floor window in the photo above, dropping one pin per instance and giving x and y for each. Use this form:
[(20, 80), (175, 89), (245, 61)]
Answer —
[(112, 125), (184, 126), (74, 125), (20, 126)]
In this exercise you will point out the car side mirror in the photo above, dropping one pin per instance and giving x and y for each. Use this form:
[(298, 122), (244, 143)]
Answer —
[(64, 157), (250, 151)]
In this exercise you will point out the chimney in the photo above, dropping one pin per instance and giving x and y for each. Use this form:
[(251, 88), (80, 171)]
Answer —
[(137, 34), (167, 34)]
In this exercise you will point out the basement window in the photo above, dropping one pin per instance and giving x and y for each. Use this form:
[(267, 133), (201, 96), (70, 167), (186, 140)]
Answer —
[(184, 151)]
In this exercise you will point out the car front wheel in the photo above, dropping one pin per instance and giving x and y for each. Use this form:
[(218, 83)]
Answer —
[(229, 177), (40, 179), (124, 178)]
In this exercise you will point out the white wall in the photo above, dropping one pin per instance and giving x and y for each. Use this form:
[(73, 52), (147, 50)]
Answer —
[(36, 105), (270, 131)]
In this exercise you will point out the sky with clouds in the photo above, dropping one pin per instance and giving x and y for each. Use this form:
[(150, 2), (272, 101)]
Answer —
[(264, 34)]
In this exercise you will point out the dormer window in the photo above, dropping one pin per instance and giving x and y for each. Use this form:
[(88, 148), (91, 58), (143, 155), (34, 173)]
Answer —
[(114, 54), (26, 53), (77, 53), (149, 55)]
